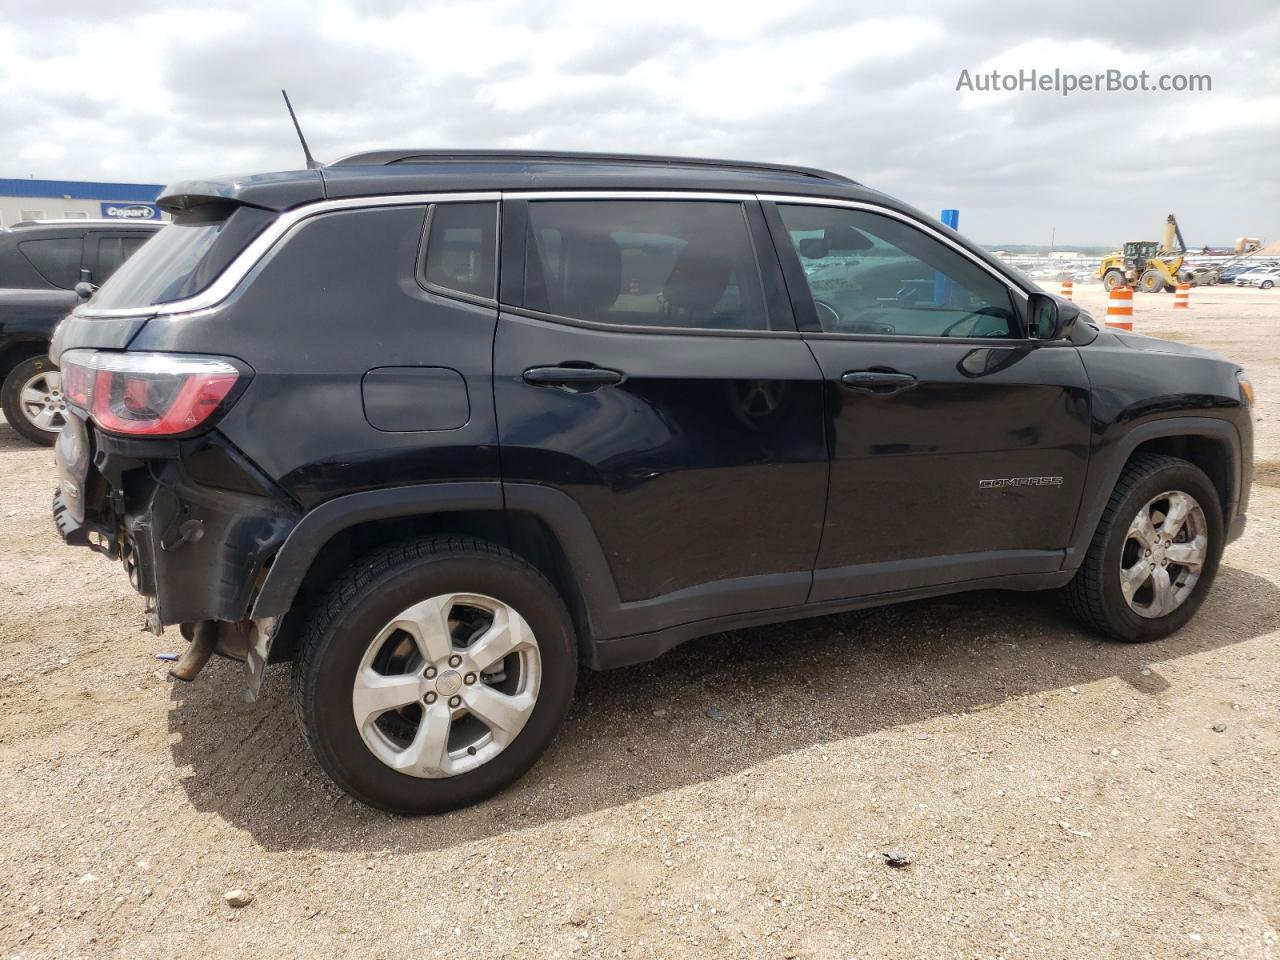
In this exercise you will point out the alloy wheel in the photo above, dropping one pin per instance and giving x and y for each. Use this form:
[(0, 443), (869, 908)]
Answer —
[(447, 685), (42, 401), (1164, 553)]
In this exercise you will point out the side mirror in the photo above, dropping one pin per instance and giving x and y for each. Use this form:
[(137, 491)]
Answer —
[(84, 289), (1050, 318)]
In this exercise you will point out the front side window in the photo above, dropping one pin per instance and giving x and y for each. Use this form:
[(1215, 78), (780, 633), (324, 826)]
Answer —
[(648, 263), (873, 274), (460, 250), (57, 260)]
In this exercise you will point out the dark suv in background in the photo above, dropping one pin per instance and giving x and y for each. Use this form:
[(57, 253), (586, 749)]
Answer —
[(440, 427), (41, 261)]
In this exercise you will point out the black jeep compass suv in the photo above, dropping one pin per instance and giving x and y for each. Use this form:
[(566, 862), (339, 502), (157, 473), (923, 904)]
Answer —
[(441, 427)]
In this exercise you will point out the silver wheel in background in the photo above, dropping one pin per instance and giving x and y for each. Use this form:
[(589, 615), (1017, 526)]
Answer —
[(1164, 553), (42, 402), (447, 685)]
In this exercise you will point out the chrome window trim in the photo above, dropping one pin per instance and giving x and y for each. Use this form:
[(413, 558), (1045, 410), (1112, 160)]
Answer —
[(251, 255), (278, 229), (628, 195)]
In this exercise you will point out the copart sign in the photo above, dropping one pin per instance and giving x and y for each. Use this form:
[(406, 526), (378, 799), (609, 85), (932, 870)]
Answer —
[(130, 211)]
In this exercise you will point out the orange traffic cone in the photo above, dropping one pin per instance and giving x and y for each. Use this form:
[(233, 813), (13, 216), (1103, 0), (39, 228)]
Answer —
[(1120, 308), (1182, 298), (1066, 289)]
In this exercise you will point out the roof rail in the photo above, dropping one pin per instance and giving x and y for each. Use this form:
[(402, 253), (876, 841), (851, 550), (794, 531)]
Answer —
[(80, 221), (388, 157)]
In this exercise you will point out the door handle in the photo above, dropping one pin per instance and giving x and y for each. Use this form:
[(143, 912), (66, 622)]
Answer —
[(878, 383), (572, 378)]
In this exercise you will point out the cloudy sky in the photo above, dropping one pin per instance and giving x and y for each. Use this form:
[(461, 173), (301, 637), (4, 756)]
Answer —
[(163, 90)]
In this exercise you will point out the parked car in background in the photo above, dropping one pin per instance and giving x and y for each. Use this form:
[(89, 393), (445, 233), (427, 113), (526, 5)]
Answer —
[(41, 261), (1266, 278), (442, 427), (1232, 273)]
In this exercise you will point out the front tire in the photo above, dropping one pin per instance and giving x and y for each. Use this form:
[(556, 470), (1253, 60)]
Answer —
[(1155, 553), (434, 674), (1151, 282), (32, 399)]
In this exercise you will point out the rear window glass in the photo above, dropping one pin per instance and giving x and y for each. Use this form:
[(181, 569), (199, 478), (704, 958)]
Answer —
[(57, 260), (182, 258)]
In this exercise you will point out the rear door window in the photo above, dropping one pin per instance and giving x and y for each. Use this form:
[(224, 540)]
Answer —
[(647, 263), (113, 251), (460, 253), (56, 259)]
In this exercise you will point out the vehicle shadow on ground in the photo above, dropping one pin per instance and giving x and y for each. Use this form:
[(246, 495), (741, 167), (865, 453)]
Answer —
[(710, 708), (13, 442)]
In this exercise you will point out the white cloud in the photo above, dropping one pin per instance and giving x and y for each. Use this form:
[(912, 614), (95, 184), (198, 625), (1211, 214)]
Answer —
[(160, 91)]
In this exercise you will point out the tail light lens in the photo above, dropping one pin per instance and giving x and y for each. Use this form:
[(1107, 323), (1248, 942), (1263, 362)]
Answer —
[(147, 394)]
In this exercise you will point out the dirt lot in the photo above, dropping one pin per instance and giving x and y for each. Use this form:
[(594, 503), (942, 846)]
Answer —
[(1059, 797)]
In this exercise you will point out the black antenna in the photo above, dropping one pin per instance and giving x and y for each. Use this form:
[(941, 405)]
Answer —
[(312, 162)]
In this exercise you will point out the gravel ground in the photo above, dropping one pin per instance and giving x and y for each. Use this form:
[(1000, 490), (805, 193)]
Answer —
[(1056, 796)]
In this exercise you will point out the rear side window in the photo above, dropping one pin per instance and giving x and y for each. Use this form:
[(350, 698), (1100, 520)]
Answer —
[(650, 263), (183, 258), (460, 253), (113, 251), (57, 260)]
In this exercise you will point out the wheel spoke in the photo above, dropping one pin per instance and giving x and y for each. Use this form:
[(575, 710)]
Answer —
[(428, 623), (505, 635), (30, 394), (1132, 579), (1162, 599), (1142, 529), (1190, 554), (53, 380), (503, 714), (375, 694), (428, 754), (1179, 507), (45, 418)]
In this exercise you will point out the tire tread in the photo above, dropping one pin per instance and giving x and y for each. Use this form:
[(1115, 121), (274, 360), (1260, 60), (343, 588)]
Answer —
[(362, 574), (1083, 595)]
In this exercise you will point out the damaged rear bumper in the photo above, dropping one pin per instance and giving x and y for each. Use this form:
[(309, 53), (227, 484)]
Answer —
[(194, 524)]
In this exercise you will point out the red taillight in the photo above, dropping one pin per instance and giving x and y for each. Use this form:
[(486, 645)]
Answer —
[(147, 394)]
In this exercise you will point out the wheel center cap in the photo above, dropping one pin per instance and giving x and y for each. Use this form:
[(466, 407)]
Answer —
[(449, 683)]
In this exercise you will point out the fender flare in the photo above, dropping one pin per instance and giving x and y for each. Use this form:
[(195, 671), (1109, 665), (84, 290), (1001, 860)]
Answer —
[(1098, 486), (317, 527), (565, 519)]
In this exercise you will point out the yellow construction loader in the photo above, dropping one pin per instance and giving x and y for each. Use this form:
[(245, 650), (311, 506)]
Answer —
[(1146, 265)]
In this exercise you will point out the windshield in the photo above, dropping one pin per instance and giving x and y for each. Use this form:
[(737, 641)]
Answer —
[(183, 258)]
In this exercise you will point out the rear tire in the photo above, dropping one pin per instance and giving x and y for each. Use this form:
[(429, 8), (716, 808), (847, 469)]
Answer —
[(1112, 279), (1097, 595), (37, 373), (1267, 284), (473, 758)]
